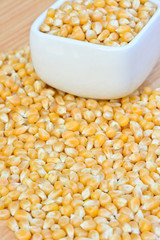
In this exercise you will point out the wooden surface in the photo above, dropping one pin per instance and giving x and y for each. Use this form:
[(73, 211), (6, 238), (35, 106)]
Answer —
[(16, 17)]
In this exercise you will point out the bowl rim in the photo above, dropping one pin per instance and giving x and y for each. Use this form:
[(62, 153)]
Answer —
[(36, 24)]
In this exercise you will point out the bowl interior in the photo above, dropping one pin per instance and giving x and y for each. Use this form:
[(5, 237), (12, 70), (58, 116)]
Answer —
[(35, 27)]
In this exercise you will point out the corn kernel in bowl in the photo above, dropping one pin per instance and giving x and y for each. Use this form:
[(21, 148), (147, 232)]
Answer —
[(106, 22)]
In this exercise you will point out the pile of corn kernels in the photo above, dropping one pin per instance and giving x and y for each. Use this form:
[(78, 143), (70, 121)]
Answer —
[(106, 22), (76, 168)]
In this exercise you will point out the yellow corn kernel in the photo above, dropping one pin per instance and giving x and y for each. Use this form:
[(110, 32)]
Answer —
[(13, 207), (111, 3), (81, 233), (21, 215), (110, 132), (122, 13), (51, 12), (84, 17), (66, 210), (58, 234), (145, 225), (123, 218), (48, 21), (99, 140), (32, 118), (121, 119), (134, 204), (37, 236), (135, 236), (12, 224), (15, 100), (77, 34), (91, 210), (22, 234), (88, 225), (123, 29), (126, 36), (72, 142), (139, 27), (151, 203), (148, 236), (90, 35), (112, 25), (96, 16), (72, 125), (120, 202), (44, 135), (4, 214), (99, 3)]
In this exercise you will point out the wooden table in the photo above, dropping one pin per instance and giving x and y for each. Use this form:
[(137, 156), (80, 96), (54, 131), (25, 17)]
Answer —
[(16, 17)]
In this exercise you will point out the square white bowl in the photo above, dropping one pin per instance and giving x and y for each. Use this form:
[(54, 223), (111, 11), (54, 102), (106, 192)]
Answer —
[(92, 70)]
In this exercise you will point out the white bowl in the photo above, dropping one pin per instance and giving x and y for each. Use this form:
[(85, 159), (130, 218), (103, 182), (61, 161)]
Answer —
[(91, 70)]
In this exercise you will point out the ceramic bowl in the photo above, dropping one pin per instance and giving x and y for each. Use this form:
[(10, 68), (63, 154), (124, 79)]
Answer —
[(91, 70)]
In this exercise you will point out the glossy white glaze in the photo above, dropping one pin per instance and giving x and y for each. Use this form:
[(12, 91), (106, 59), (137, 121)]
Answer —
[(91, 70)]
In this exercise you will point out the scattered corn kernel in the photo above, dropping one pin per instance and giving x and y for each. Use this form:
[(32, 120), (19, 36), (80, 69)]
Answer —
[(72, 168)]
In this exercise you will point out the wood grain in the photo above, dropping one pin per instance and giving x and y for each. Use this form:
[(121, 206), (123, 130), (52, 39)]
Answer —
[(16, 17)]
